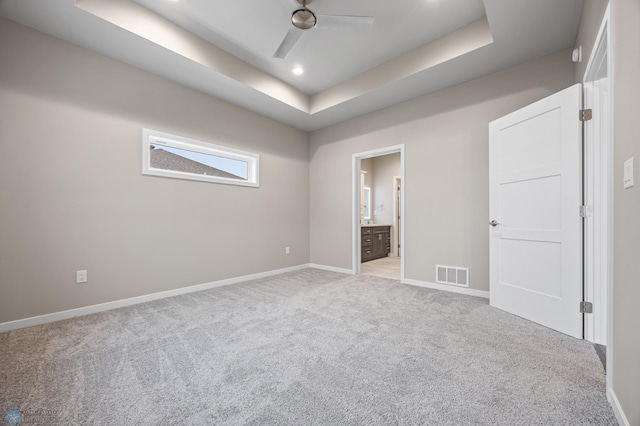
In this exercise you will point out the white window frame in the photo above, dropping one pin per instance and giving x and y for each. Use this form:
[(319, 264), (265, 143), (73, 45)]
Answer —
[(154, 137)]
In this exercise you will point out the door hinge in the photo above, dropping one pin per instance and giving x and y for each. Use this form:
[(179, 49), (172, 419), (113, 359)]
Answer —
[(586, 114), (586, 211), (586, 307)]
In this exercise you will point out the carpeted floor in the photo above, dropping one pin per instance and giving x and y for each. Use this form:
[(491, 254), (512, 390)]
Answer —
[(303, 348)]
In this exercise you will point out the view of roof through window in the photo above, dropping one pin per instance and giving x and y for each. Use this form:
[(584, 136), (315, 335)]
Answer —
[(182, 160)]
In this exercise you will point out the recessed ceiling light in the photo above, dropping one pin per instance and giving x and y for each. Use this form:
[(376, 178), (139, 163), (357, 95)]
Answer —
[(298, 71)]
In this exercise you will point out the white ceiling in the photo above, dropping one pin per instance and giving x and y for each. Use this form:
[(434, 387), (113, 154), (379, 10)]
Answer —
[(225, 47), (252, 30)]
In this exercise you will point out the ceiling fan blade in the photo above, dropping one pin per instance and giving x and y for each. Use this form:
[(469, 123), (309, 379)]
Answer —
[(288, 42), (359, 24)]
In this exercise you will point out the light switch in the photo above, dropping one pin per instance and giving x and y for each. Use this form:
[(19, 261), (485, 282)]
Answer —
[(628, 173)]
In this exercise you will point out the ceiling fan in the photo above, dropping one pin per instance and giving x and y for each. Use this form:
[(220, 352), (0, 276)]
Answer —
[(304, 19)]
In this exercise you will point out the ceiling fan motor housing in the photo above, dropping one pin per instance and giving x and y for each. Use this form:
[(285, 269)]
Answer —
[(303, 19)]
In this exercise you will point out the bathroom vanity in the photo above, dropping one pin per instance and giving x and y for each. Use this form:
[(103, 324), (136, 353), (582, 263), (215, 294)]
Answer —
[(375, 241)]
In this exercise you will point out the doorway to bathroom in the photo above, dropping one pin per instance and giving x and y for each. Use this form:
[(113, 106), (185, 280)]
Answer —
[(378, 213)]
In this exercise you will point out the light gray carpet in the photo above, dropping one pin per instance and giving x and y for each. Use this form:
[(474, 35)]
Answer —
[(304, 348)]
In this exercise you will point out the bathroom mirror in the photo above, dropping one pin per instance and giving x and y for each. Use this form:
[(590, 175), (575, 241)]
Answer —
[(366, 203)]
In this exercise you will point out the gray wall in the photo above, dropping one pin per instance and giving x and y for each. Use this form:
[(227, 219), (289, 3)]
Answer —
[(626, 248), (367, 166), (447, 194), (385, 168), (72, 195)]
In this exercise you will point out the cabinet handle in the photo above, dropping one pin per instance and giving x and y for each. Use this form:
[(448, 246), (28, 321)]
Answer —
[(379, 237)]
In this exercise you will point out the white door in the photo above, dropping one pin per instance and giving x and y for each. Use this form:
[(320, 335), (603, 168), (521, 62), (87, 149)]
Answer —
[(535, 194)]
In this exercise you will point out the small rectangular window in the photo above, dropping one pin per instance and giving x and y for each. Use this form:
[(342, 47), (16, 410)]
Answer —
[(177, 157)]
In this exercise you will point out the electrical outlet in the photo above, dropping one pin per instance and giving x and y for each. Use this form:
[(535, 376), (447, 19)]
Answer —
[(81, 277), (287, 250)]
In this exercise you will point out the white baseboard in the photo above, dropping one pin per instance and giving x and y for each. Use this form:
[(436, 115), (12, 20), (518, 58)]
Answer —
[(617, 409), (331, 268), (86, 310), (450, 288)]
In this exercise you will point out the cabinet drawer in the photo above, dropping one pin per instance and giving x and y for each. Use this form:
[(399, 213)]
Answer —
[(367, 240), (367, 253), (367, 230)]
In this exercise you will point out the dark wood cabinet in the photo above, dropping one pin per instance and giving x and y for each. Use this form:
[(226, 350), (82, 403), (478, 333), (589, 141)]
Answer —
[(375, 242)]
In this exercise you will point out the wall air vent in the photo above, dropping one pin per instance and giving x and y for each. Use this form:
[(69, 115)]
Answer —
[(452, 275)]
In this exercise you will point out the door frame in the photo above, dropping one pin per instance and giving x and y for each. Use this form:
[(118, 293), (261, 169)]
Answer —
[(355, 202), (599, 187), (397, 239)]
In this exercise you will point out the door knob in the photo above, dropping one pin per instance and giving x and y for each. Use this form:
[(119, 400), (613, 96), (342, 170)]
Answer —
[(494, 223)]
